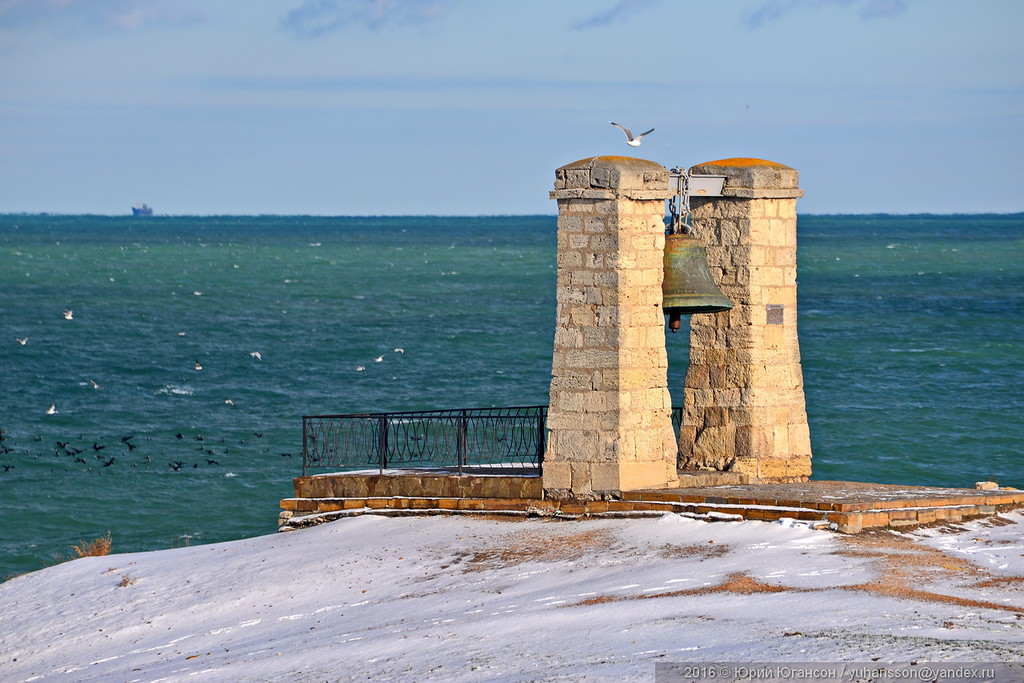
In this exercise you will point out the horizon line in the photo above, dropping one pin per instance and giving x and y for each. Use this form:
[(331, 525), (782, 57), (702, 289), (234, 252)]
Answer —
[(158, 216)]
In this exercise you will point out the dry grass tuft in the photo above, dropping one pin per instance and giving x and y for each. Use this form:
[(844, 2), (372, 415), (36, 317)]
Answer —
[(903, 565), (1008, 581), (96, 548), (703, 551), (739, 583), (523, 547)]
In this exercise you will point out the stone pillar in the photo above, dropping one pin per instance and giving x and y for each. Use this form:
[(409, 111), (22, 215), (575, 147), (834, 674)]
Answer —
[(743, 400), (609, 417)]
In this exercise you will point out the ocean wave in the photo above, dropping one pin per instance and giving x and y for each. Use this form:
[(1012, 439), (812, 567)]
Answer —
[(176, 390)]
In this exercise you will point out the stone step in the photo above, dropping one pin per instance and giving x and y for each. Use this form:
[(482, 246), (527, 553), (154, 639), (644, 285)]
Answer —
[(846, 517)]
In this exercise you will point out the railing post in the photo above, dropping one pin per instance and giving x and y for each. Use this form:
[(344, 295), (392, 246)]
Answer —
[(460, 443), (382, 442), (540, 438), (305, 444)]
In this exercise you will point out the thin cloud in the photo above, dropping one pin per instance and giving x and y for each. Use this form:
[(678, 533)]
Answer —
[(407, 84), (619, 12), (774, 10), (93, 14), (314, 18)]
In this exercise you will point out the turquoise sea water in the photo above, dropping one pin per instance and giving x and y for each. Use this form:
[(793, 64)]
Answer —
[(910, 331)]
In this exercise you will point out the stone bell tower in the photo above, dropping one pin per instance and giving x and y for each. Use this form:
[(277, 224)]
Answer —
[(743, 400), (609, 416)]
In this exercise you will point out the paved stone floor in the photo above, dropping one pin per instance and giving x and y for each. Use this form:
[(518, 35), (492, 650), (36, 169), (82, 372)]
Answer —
[(851, 506)]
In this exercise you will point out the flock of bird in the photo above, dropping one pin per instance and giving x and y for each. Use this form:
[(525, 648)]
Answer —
[(97, 454), (197, 365), (79, 452)]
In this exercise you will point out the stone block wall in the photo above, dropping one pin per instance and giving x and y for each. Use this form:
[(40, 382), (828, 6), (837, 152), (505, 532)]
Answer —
[(744, 408), (609, 416)]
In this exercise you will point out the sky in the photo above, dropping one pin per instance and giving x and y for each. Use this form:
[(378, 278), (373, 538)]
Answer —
[(462, 107), (441, 598)]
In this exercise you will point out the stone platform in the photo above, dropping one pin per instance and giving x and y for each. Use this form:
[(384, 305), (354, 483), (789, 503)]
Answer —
[(847, 507)]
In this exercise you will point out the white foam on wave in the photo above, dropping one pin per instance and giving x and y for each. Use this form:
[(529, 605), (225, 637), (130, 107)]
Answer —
[(176, 390)]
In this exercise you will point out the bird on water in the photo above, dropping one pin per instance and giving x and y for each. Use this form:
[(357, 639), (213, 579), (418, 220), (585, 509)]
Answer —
[(630, 139)]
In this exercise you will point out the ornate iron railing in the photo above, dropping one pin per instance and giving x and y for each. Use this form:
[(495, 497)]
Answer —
[(492, 438)]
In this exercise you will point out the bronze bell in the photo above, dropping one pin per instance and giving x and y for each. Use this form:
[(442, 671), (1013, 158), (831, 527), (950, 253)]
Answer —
[(688, 287)]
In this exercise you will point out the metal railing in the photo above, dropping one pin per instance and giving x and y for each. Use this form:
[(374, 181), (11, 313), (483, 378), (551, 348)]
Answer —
[(466, 438), (488, 438)]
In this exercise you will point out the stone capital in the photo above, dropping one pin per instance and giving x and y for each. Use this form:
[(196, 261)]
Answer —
[(753, 178), (612, 177)]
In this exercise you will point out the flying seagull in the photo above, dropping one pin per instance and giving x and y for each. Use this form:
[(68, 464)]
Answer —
[(630, 140), (22, 341), (69, 314)]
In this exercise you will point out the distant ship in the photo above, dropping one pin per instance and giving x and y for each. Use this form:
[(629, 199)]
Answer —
[(142, 210)]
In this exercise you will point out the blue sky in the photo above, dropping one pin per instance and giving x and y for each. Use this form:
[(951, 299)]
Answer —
[(466, 107)]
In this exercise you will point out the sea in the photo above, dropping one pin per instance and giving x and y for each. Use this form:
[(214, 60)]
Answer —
[(910, 332)]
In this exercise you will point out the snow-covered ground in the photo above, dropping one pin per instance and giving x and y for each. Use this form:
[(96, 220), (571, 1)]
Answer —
[(484, 599)]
